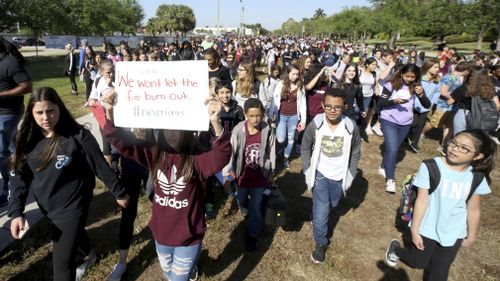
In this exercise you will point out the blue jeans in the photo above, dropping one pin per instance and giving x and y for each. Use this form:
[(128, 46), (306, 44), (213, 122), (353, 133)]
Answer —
[(177, 261), (366, 102), (254, 208), (326, 193), (286, 131), (459, 123), (394, 135), (8, 130)]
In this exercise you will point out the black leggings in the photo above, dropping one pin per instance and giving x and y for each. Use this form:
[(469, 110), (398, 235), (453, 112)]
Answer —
[(68, 237), (435, 259), (71, 76), (88, 86), (133, 176), (417, 127)]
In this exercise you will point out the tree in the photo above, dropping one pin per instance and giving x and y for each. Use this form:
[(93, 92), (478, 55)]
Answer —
[(480, 15), (176, 18), (319, 13)]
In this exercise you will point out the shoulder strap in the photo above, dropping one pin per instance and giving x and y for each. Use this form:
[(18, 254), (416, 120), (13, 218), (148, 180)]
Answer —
[(476, 181), (434, 174)]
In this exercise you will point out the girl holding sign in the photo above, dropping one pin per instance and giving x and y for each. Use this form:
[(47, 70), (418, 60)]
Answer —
[(179, 166)]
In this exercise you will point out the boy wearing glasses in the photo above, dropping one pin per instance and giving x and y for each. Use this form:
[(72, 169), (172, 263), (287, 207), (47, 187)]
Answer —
[(330, 153)]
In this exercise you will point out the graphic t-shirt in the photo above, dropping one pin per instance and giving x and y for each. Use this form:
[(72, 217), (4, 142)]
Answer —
[(453, 83), (331, 158), (251, 176), (445, 219)]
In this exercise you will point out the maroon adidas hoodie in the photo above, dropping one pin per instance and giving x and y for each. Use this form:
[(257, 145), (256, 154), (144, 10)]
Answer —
[(178, 218)]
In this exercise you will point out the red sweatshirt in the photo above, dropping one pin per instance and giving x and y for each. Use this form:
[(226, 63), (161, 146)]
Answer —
[(178, 218)]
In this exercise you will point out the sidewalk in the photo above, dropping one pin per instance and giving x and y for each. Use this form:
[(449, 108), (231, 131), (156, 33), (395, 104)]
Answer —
[(32, 213)]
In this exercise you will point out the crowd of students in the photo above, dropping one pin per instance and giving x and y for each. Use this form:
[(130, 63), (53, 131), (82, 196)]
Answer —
[(320, 100)]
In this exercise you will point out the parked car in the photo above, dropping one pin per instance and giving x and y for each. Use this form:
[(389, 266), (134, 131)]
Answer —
[(33, 42), (17, 41)]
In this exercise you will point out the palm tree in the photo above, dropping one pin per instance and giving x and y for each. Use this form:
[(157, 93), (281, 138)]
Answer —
[(319, 13)]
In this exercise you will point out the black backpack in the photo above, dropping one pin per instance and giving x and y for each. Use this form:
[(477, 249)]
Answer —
[(482, 115), (409, 191)]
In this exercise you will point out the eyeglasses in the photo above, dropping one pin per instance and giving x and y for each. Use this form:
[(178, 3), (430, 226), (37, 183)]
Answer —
[(333, 108), (460, 148)]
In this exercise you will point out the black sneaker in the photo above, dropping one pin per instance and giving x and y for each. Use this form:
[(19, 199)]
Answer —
[(251, 243), (318, 255), (390, 256), (194, 274)]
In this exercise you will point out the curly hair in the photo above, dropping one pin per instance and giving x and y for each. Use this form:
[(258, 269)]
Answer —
[(479, 83)]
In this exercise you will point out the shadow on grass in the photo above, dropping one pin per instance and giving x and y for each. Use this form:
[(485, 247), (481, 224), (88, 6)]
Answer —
[(392, 274), (233, 251)]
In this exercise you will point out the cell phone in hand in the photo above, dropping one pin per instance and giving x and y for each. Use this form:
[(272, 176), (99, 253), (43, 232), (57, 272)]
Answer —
[(25, 229)]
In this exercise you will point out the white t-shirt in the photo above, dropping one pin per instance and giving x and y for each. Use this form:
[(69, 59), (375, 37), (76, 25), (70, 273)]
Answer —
[(367, 82), (331, 157)]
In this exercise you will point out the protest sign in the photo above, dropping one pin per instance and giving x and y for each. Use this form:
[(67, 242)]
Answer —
[(162, 95)]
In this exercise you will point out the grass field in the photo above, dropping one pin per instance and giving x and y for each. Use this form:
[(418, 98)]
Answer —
[(364, 225)]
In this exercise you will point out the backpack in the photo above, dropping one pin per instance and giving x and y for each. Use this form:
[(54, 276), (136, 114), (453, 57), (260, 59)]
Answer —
[(482, 115), (409, 191)]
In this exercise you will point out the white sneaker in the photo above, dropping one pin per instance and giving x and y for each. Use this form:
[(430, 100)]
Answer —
[(376, 129), (82, 268), (390, 186), (118, 270), (368, 130), (381, 171)]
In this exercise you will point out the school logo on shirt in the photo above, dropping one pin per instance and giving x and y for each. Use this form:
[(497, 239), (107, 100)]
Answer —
[(170, 188), (62, 160), (332, 146), (252, 155)]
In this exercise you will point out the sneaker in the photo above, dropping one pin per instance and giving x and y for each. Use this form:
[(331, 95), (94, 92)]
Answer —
[(368, 130), (440, 149), (251, 243), (381, 171), (244, 212), (287, 164), (82, 268), (390, 256), (390, 186), (414, 148), (118, 270), (318, 255), (3, 199), (194, 274), (377, 130), (209, 212)]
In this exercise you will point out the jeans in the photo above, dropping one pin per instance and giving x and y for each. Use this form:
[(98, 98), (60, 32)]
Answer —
[(177, 261), (459, 122), (394, 135), (326, 193), (8, 130), (366, 102), (254, 208), (286, 131)]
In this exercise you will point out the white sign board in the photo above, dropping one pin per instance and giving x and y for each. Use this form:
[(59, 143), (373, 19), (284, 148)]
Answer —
[(162, 95)]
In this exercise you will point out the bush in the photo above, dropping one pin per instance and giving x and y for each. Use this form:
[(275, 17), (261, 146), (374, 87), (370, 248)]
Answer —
[(464, 38), (412, 39)]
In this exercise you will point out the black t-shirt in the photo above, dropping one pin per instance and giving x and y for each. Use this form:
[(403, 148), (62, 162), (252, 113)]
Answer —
[(222, 73), (12, 72)]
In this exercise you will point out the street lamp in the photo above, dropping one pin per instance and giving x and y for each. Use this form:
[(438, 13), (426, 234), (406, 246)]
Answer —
[(218, 17)]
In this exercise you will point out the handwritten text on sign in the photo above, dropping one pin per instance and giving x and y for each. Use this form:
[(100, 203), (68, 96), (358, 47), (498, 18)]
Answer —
[(162, 95)]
